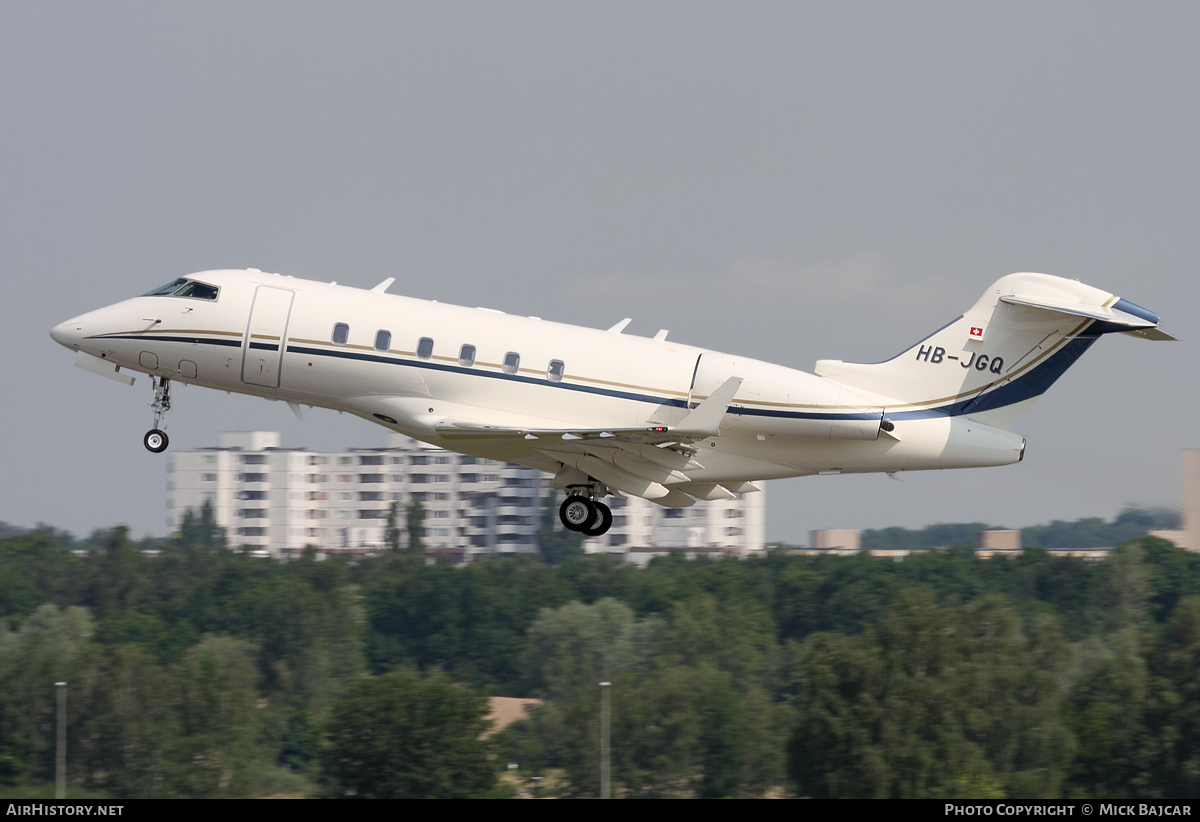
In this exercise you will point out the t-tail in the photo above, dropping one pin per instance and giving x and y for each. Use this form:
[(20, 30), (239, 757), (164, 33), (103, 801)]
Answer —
[(995, 360)]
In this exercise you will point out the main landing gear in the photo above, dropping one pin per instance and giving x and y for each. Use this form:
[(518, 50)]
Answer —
[(587, 516), (156, 439)]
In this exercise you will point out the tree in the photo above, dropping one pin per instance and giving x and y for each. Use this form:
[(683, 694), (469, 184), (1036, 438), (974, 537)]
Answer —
[(400, 736), (555, 542), (414, 523), (392, 534), (200, 532)]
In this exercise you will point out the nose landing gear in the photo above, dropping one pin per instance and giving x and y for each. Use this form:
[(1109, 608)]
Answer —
[(156, 439), (586, 515)]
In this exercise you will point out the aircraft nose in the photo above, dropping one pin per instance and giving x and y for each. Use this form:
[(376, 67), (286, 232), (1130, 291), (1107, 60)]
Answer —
[(67, 334)]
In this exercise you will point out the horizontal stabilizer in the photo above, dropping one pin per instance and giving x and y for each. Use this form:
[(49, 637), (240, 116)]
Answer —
[(1151, 334), (1094, 312)]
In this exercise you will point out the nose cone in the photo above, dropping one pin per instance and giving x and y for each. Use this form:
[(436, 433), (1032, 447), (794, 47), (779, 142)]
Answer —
[(68, 334)]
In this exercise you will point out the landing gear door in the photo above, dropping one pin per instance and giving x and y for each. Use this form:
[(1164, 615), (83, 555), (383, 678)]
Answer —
[(266, 335)]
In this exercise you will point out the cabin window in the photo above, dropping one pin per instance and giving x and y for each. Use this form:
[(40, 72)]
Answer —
[(424, 348), (383, 340), (341, 333), (466, 356), (554, 372), (512, 361)]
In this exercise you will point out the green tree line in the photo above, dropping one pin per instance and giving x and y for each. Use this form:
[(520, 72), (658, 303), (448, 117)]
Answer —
[(197, 670)]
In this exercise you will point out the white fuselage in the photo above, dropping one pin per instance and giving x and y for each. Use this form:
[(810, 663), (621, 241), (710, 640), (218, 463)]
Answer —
[(274, 337)]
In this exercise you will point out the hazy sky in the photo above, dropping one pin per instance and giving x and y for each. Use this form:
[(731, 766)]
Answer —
[(790, 181)]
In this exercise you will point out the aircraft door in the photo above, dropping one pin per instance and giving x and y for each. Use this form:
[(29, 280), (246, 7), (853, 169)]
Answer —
[(266, 335)]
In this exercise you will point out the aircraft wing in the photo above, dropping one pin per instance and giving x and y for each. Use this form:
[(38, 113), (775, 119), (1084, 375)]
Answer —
[(646, 462), (702, 421)]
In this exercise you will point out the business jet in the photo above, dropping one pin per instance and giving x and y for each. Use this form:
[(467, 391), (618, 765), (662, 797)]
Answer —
[(606, 412)]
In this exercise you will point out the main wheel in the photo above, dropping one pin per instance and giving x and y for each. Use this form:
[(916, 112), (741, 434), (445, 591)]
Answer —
[(576, 513), (602, 522), (155, 441)]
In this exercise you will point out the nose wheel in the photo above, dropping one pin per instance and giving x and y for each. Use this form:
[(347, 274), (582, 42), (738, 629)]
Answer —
[(156, 439), (584, 515)]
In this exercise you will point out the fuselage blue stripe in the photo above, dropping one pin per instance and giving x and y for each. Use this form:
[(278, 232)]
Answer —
[(1028, 386), (458, 369)]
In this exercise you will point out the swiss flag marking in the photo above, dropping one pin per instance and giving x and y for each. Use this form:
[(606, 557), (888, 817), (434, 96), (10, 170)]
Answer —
[(976, 331)]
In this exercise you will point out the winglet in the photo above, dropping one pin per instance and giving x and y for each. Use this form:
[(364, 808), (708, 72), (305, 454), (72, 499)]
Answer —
[(384, 286), (619, 327), (705, 418)]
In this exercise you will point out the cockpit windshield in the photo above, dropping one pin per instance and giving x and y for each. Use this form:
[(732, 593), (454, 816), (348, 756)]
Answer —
[(184, 287)]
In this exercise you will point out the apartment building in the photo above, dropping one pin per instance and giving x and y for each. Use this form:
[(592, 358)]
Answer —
[(281, 499)]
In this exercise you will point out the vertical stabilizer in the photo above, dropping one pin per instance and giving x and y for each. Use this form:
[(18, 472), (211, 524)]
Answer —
[(1001, 355)]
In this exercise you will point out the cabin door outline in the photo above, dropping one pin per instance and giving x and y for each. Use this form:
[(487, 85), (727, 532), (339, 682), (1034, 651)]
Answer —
[(266, 336)]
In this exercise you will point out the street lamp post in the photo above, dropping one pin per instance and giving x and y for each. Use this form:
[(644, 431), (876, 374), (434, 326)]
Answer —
[(60, 759), (605, 714)]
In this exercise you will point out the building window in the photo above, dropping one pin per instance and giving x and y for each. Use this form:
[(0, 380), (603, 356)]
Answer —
[(341, 333), (370, 460), (383, 340), (424, 348), (208, 477), (370, 477), (252, 477), (420, 460), (254, 459), (555, 371), (674, 513), (466, 356)]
